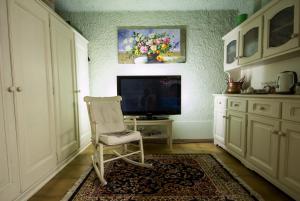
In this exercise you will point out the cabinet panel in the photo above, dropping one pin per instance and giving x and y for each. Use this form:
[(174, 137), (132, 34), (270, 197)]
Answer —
[(291, 111), (9, 171), (282, 27), (31, 64), (265, 107), (220, 103), (65, 86), (219, 127), (231, 45), (289, 165), (237, 104), (82, 70), (263, 143), (236, 132), (251, 41)]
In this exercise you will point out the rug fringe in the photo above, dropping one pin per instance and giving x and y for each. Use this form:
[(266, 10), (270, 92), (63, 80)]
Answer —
[(240, 180)]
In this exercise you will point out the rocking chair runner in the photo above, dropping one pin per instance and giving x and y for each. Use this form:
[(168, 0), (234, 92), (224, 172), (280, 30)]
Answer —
[(108, 129)]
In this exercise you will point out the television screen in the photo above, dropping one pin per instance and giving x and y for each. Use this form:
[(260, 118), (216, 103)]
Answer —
[(150, 95)]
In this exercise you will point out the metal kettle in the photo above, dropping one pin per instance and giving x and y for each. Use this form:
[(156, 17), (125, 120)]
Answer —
[(286, 82)]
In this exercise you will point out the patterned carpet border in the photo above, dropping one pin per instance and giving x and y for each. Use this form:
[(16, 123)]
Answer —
[(85, 175)]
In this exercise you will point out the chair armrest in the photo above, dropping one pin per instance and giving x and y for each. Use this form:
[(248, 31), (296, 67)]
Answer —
[(133, 119)]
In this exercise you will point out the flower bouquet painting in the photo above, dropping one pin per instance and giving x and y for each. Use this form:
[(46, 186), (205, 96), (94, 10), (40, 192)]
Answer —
[(151, 45)]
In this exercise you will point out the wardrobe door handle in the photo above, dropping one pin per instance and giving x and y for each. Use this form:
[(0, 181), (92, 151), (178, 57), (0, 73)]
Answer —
[(19, 89), (11, 89)]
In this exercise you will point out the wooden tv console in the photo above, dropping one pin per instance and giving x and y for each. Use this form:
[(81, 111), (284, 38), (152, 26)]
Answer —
[(156, 122)]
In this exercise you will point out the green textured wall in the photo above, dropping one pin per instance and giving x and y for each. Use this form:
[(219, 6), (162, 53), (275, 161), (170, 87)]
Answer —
[(202, 74)]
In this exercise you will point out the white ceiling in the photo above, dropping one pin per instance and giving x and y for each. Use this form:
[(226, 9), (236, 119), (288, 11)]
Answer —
[(243, 6)]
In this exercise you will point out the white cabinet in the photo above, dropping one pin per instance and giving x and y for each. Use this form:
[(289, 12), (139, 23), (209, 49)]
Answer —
[(64, 88), (37, 96), (231, 45), (264, 134), (82, 70), (271, 34), (289, 164), (251, 41), (263, 143), (31, 71), (219, 128), (281, 31), (236, 133), (9, 174)]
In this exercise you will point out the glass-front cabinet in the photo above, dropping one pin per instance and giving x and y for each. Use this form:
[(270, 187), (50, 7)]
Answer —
[(231, 50), (250, 47), (281, 27)]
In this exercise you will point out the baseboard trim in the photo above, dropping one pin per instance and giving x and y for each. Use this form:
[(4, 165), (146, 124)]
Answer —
[(183, 141), (179, 141), (38, 185)]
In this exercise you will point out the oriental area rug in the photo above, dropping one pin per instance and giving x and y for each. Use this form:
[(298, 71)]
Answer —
[(178, 177)]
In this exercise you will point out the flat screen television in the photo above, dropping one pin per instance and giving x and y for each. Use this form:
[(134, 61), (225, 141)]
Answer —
[(150, 95)]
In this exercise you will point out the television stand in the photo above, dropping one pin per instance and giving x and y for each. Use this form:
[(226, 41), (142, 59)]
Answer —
[(152, 118), (155, 122)]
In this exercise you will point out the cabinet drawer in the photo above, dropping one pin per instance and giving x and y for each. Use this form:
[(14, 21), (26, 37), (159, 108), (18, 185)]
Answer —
[(220, 103), (237, 104), (265, 107), (291, 111)]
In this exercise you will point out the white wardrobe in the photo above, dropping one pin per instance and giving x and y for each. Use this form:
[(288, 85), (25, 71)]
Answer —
[(39, 111)]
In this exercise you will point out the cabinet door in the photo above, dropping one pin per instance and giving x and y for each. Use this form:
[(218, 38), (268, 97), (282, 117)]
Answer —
[(31, 65), (282, 27), (82, 69), (251, 41), (263, 143), (236, 133), (64, 87), (219, 128), (231, 51), (289, 164), (9, 174)]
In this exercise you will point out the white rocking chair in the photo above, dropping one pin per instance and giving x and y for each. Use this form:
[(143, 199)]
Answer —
[(108, 129)]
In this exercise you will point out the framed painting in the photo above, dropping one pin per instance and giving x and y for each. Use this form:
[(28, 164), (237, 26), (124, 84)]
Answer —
[(151, 45)]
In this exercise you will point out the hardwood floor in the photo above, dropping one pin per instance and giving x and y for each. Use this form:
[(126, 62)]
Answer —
[(56, 188)]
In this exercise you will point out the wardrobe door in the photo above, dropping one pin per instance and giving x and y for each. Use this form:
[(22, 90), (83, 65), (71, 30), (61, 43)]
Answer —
[(82, 69), (31, 66), (65, 86), (9, 172)]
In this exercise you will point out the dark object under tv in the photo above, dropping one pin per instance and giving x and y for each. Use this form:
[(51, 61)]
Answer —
[(150, 95)]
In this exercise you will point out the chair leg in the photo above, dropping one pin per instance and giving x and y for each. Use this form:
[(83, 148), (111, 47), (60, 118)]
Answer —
[(142, 151), (101, 160), (124, 148), (98, 163)]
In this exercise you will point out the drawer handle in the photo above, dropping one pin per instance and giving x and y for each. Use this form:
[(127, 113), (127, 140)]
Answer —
[(274, 132), (220, 103), (262, 108), (282, 134), (236, 105), (225, 117)]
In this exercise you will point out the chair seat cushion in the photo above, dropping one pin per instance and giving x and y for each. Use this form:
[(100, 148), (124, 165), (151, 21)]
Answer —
[(120, 137)]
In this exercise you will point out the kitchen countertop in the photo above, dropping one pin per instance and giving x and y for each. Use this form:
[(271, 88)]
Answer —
[(261, 95)]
